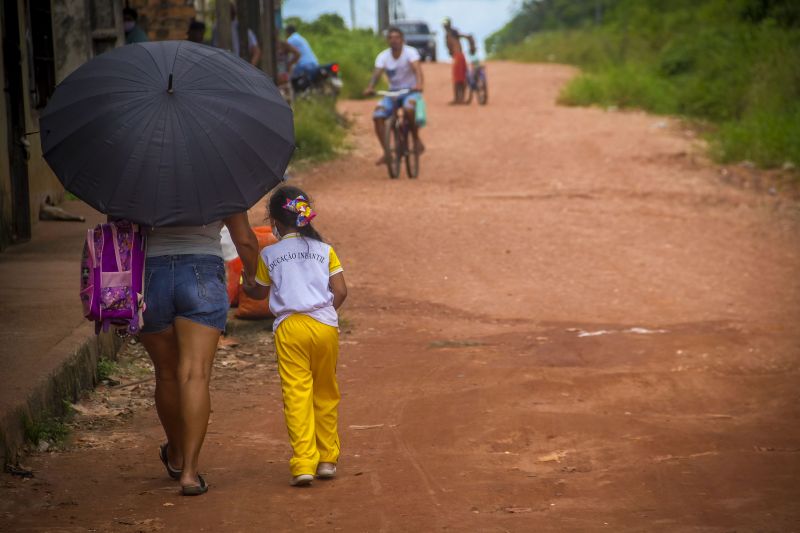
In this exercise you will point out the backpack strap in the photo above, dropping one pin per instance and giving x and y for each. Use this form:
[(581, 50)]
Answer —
[(115, 240)]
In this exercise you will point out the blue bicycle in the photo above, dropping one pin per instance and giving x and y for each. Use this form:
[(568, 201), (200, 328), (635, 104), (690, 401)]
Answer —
[(476, 81)]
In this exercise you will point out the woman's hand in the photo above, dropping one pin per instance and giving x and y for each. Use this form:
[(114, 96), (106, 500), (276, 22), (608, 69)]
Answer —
[(245, 241)]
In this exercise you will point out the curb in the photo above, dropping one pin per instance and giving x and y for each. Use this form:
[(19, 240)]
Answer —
[(80, 352)]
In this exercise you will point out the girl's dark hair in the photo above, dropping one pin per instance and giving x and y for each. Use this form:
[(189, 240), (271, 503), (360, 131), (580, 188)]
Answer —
[(288, 218)]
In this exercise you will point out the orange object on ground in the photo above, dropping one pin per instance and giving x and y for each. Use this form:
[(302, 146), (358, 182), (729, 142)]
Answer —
[(459, 68), (233, 272), (248, 307)]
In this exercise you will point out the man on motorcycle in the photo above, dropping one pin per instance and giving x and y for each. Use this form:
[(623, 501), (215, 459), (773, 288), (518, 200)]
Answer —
[(401, 63), (307, 64)]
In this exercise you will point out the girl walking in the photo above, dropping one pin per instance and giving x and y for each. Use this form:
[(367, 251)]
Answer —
[(304, 283)]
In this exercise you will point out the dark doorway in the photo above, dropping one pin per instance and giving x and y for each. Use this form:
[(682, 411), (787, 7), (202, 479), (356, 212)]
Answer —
[(15, 109)]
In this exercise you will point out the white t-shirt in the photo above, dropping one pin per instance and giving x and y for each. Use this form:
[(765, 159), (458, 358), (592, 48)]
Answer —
[(297, 271), (398, 70)]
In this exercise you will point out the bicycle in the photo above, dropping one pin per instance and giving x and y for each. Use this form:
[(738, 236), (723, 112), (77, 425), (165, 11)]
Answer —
[(477, 83), (397, 137)]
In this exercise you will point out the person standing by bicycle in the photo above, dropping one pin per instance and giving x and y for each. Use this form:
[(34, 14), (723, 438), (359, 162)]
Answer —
[(401, 63), (453, 38)]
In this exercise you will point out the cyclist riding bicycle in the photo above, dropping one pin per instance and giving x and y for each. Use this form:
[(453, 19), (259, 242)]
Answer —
[(401, 63)]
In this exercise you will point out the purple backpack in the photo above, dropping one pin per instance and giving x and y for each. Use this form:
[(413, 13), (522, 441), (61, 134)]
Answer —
[(112, 276)]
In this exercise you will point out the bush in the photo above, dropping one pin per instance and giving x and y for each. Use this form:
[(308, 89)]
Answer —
[(319, 130), (735, 64)]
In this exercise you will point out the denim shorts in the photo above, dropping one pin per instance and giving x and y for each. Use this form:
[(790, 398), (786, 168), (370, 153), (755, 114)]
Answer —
[(187, 286), (388, 105)]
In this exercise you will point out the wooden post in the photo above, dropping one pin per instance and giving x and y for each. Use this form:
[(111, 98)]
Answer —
[(383, 15), (269, 33), (224, 25)]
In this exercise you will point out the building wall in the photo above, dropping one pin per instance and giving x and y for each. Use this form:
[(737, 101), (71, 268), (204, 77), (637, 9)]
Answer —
[(5, 170), (41, 180), (72, 36), (164, 19)]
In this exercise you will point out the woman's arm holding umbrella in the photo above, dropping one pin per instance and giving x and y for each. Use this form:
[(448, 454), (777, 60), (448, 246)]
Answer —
[(247, 246)]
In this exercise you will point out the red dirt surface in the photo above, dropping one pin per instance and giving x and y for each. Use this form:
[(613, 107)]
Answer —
[(567, 323)]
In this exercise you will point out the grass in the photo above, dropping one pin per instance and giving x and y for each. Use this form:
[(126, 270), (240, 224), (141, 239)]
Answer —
[(106, 369), (320, 132), (48, 429), (701, 60)]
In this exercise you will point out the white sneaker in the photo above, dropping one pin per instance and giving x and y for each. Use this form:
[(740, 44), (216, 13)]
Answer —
[(326, 470), (303, 480)]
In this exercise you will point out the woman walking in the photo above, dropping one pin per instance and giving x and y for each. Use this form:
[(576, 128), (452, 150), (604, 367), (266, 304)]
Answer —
[(187, 307)]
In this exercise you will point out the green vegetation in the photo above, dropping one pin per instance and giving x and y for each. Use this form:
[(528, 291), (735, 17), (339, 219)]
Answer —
[(353, 50), (732, 63), (49, 429), (106, 368), (320, 131)]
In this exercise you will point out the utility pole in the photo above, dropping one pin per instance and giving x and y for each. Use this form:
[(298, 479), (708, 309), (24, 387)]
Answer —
[(352, 14), (269, 33), (244, 26), (224, 25), (383, 15)]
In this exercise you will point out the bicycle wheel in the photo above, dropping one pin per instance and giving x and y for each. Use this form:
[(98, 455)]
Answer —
[(394, 153), (482, 89), (412, 155)]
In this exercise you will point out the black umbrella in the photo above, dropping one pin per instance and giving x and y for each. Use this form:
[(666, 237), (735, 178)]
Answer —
[(168, 133)]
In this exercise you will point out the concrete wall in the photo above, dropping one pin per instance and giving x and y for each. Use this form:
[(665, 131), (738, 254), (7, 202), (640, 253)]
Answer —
[(72, 36), (41, 180), (5, 170), (164, 19), (81, 29)]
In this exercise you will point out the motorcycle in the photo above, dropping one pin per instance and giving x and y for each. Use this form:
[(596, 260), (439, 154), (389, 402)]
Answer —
[(324, 80)]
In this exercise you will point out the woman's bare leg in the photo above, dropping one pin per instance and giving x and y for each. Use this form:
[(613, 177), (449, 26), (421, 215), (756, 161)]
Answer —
[(162, 347), (197, 345)]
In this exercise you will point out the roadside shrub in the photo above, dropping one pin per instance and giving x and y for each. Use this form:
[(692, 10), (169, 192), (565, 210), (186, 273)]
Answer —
[(735, 64), (319, 130)]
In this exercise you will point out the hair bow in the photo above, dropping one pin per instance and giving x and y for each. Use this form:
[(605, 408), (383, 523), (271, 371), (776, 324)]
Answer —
[(303, 209)]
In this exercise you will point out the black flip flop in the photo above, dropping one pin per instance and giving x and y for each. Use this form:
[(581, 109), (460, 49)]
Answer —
[(195, 490), (174, 473)]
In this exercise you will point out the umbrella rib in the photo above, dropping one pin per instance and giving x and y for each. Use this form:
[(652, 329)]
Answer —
[(244, 141), (110, 198), (224, 162), (197, 188), (89, 157)]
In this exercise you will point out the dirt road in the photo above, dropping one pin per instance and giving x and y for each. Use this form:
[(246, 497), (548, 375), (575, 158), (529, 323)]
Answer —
[(567, 323)]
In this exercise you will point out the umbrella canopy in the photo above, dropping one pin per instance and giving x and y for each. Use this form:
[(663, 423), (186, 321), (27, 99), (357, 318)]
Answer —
[(168, 133)]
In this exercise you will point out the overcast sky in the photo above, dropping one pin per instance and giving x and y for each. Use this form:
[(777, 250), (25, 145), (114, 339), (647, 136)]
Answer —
[(479, 17)]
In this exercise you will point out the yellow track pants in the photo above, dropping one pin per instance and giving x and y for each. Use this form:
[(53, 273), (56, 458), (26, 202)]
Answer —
[(307, 355)]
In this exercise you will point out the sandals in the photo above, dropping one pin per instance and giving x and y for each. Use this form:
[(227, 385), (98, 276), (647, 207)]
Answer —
[(195, 490), (174, 473)]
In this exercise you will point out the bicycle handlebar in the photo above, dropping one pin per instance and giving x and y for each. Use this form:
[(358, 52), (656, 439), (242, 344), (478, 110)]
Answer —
[(394, 94)]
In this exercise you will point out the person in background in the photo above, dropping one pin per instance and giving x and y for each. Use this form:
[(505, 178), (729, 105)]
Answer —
[(287, 56), (401, 63), (252, 42), (307, 64), (196, 32), (453, 38), (130, 23)]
